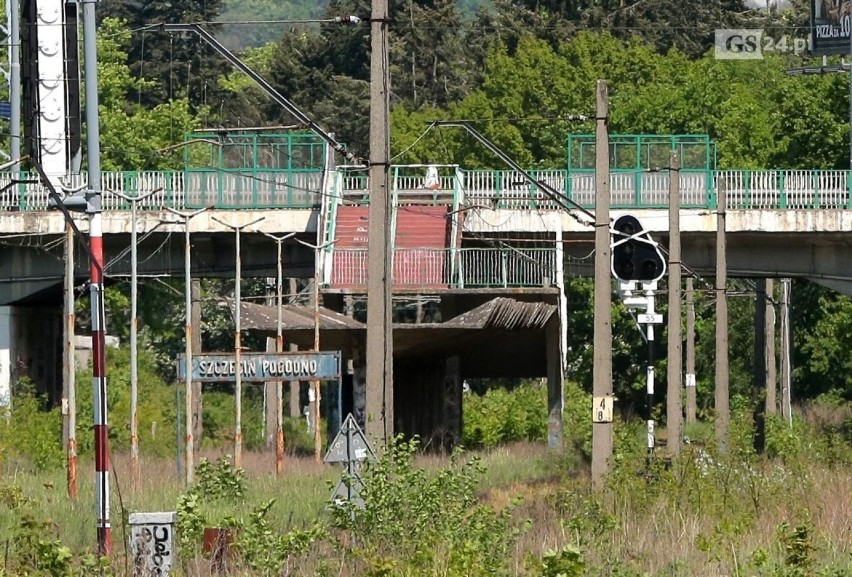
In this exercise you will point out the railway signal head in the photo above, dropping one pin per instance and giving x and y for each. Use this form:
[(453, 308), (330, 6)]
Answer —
[(635, 257)]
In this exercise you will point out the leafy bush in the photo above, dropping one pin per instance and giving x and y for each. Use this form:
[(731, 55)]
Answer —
[(267, 551), (567, 562), (577, 422), (262, 548), (502, 416), (35, 549), (219, 418), (215, 482), (419, 524), (156, 406), (32, 433)]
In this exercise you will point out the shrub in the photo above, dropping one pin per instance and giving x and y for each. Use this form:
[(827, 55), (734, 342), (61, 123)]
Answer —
[(156, 405), (502, 416), (32, 433), (418, 524)]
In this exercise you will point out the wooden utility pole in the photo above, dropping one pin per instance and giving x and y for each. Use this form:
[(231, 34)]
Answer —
[(690, 351), (602, 387), (771, 370), (379, 419), (759, 369), (674, 415), (722, 404)]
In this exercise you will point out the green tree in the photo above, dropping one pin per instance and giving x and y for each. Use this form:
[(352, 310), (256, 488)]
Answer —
[(430, 65), (244, 22), (134, 136), (822, 322), (685, 25), (178, 65)]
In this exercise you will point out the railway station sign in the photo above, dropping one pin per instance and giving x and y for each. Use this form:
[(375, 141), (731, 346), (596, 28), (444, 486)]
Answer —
[(287, 366)]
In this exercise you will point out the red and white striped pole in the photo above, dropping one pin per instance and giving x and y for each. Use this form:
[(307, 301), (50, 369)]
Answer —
[(96, 268), (96, 289)]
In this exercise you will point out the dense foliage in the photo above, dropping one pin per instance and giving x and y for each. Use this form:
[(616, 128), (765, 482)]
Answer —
[(707, 512), (517, 70)]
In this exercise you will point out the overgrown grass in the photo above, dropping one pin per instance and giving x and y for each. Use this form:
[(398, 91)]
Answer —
[(517, 509), (706, 514)]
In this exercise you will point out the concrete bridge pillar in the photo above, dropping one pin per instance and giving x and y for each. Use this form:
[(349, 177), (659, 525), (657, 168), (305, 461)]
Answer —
[(359, 388), (555, 388), (452, 404), (5, 358)]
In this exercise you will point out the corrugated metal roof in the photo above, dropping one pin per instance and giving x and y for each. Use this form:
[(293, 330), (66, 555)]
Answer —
[(500, 313), (506, 314), (293, 317)]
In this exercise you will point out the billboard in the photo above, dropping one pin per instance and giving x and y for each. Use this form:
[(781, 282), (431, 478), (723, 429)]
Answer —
[(830, 20)]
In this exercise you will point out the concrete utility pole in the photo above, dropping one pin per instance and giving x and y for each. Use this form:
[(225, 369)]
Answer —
[(771, 371), (379, 419), (270, 388), (238, 346), (786, 349), (674, 415), (134, 323), (69, 367), (722, 406), (189, 440), (315, 389), (602, 387), (279, 347), (13, 8), (295, 386), (196, 389), (690, 351), (759, 368)]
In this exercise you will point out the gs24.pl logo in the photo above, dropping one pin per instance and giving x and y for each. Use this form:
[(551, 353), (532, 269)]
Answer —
[(754, 44)]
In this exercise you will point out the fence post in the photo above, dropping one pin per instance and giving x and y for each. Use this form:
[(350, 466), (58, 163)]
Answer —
[(815, 202), (849, 189), (712, 175)]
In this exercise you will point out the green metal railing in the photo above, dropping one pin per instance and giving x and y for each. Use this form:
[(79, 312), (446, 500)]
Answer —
[(502, 189), (643, 152), (223, 189)]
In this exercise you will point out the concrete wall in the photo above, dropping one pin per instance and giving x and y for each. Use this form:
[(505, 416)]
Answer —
[(5, 356), (31, 347)]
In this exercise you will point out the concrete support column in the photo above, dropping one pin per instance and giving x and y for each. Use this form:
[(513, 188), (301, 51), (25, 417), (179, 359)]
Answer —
[(197, 392), (771, 366), (557, 410), (294, 386), (359, 388), (555, 389), (452, 404), (5, 358)]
